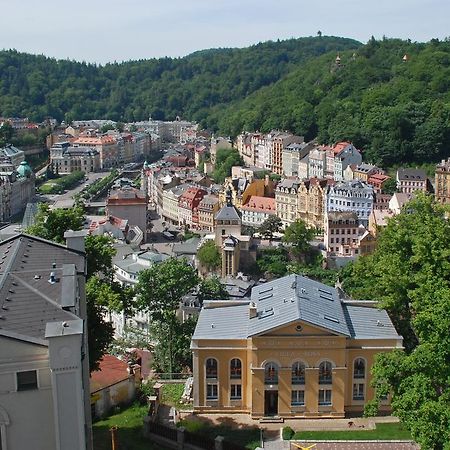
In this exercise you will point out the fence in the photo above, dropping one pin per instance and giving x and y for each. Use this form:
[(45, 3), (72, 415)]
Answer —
[(200, 441), (180, 439)]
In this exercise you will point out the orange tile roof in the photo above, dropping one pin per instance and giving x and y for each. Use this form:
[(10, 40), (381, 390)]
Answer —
[(112, 370), (261, 204)]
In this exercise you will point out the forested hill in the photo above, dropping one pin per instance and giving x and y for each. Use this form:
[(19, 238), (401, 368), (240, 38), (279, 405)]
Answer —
[(38, 87), (397, 111)]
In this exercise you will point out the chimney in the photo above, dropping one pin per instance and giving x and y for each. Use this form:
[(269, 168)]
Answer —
[(75, 240), (252, 310)]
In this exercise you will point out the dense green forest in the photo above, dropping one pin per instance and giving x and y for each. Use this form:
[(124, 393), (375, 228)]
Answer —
[(396, 111), (37, 86)]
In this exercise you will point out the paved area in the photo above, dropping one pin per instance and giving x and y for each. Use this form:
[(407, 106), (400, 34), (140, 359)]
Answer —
[(347, 445)]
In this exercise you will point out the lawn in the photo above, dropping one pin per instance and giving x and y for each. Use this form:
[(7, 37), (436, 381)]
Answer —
[(129, 423), (383, 431), (171, 395)]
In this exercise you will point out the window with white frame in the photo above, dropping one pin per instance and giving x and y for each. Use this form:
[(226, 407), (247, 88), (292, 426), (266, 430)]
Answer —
[(236, 392), (324, 397), (212, 392), (358, 391), (298, 397)]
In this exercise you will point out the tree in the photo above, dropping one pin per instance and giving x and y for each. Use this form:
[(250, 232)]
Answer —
[(177, 356), (161, 287), (211, 289), (225, 160), (159, 291), (271, 225), (100, 332), (209, 256), (409, 273), (52, 224), (6, 133), (273, 261), (99, 253), (298, 235), (389, 186)]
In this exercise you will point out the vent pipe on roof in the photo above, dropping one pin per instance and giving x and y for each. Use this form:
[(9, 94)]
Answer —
[(52, 279)]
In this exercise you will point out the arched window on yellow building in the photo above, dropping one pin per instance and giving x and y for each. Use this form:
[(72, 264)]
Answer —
[(298, 373), (235, 369), (271, 373), (211, 368)]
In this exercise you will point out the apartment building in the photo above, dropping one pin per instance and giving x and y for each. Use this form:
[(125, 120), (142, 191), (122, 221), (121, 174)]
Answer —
[(442, 182), (286, 200)]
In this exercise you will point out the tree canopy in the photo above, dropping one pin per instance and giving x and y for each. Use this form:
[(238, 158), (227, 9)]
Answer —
[(38, 87), (409, 274), (159, 292), (209, 256), (271, 225), (298, 235)]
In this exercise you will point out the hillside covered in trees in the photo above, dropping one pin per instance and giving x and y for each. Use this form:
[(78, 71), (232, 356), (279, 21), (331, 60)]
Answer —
[(397, 111), (37, 86)]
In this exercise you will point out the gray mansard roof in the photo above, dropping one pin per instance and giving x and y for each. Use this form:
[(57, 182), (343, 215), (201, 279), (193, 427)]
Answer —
[(288, 300), (228, 212)]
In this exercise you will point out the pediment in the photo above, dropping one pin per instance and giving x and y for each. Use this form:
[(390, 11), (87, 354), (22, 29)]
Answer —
[(299, 328)]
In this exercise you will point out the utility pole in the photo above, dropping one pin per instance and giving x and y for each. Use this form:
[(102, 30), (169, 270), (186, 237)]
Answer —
[(114, 440)]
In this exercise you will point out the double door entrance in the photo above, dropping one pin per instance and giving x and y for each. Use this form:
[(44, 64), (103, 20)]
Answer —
[(270, 403)]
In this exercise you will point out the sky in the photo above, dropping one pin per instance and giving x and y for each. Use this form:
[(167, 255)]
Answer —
[(104, 31)]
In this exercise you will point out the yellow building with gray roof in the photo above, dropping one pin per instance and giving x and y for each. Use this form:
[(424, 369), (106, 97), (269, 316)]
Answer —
[(297, 349)]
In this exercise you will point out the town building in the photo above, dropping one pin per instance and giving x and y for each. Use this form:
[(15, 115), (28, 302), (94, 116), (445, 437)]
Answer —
[(353, 196), (188, 206), (65, 158), (170, 203), (218, 143), (17, 188), (207, 210), (44, 369), (257, 210), (411, 180), (442, 182), (378, 220), (130, 203), (105, 145), (236, 249), (297, 349), (397, 201), (345, 154), (364, 171), (242, 189), (377, 180), (11, 155), (286, 199), (311, 201), (292, 155)]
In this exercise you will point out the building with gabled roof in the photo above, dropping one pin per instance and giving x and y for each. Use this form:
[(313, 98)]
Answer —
[(44, 369), (411, 180), (296, 349)]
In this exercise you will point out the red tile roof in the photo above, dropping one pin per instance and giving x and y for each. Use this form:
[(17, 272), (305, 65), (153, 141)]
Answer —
[(112, 371), (261, 204)]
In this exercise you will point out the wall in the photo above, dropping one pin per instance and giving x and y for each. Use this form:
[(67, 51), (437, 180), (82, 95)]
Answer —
[(118, 394), (30, 412)]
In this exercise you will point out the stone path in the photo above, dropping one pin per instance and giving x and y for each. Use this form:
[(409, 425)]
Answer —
[(344, 445)]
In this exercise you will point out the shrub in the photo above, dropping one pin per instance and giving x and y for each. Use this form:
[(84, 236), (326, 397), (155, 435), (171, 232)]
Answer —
[(287, 433)]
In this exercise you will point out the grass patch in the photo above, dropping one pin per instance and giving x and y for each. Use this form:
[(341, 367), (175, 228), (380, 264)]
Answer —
[(383, 431), (129, 423), (171, 395)]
